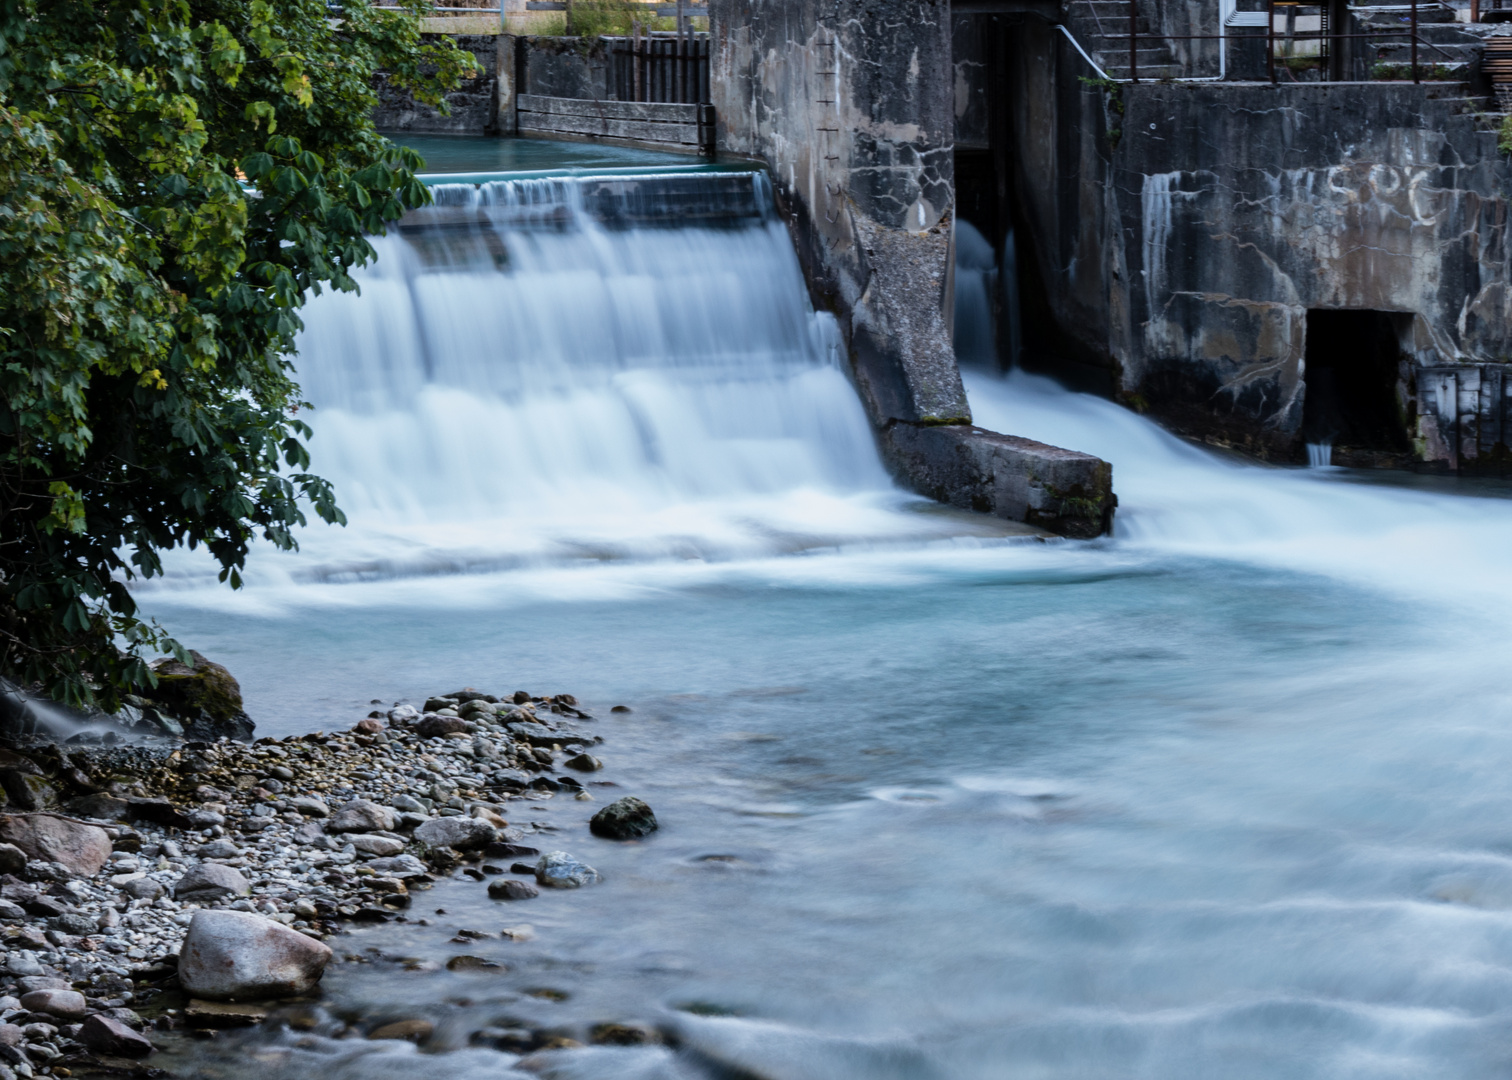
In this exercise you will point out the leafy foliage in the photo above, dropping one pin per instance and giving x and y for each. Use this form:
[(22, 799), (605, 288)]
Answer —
[(175, 175)]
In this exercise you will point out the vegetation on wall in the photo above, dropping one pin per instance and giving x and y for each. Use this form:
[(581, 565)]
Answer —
[(613, 18), (175, 176)]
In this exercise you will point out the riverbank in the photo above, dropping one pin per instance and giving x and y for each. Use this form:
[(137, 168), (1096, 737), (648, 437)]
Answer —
[(312, 833)]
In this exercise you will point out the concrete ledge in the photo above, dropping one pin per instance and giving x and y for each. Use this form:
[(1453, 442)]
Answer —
[(1064, 491)]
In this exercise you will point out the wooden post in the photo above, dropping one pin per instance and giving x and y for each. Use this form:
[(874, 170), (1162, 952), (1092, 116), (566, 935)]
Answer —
[(1414, 42), (635, 64), (1133, 41), (1270, 39)]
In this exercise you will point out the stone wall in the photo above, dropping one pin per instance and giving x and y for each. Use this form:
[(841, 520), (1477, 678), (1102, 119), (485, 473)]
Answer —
[(473, 106)]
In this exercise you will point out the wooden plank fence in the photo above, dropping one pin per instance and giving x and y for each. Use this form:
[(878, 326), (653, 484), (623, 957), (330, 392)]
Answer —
[(650, 124)]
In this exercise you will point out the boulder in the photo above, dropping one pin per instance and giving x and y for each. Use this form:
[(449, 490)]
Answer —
[(511, 889), (623, 819), (434, 727), (12, 859), (230, 955), (374, 845), (64, 1004), (459, 833), (203, 696), (210, 881), (559, 870), (81, 849), (101, 807), (107, 1035), (361, 815)]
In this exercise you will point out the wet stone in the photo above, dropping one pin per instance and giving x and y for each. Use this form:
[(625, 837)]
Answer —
[(623, 819), (511, 889), (561, 870), (409, 1030)]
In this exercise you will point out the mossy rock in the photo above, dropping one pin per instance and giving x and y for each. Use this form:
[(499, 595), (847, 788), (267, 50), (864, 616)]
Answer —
[(204, 698)]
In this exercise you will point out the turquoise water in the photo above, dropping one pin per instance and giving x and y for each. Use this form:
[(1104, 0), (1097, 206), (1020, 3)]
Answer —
[(1223, 795)]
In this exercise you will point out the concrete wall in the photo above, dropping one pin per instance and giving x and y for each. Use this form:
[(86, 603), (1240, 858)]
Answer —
[(851, 103), (1178, 234)]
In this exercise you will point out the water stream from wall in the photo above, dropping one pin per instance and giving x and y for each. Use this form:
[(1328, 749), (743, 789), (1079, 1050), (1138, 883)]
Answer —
[(1223, 795)]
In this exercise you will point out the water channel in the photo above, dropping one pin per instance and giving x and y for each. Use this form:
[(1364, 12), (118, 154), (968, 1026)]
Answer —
[(1223, 795)]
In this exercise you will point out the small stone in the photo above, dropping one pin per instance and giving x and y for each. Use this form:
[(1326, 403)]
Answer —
[(472, 963), (235, 954), (19, 963), (584, 763), (219, 849), (403, 714), (29, 983), (458, 833), (310, 806), (10, 1034), (409, 804), (622, 709), (435, 727), (559, 870), (64, 1004), (71, 922), (143, 888), (12, 859), (399, 866), (410, 1030), (375, 845), (107, 1035), (512, 889), (623, 819), (361, 815), (10, 912), (370, 725), (211, 881), (624, 1035), (432, 704)]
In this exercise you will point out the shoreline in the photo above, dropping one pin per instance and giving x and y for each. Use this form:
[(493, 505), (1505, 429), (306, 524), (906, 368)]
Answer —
[(309, 833)]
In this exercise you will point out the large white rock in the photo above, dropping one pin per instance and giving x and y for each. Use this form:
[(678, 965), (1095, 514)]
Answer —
[(235, 955)]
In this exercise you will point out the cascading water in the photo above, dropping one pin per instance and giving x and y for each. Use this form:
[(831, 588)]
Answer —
[(570, 367)]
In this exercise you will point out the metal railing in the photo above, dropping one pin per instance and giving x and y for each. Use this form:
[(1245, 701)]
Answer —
[(1322, 36)]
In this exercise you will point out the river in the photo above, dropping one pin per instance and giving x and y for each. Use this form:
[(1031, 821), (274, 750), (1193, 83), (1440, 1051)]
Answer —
[(1223, 794)]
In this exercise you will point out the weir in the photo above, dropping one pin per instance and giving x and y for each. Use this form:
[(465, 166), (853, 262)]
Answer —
[(589, 350)]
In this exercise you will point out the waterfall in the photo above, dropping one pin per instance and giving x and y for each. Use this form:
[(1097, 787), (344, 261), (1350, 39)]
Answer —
[(1319, 455), (988, 327), (584, 366)]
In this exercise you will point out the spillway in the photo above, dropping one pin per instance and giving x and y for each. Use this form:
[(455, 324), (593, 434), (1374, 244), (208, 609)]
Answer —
[(585, 366)]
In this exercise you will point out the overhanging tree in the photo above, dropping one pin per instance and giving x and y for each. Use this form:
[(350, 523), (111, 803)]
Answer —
[(175, 176)]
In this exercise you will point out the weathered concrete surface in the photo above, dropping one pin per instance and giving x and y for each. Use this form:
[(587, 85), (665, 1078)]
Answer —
[(1060, 490), (1179, 234), (851, 104), (474, 106), (1241, 207)]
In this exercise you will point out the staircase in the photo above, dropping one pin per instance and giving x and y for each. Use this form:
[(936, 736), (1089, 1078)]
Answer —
[(1446, 49), (1103, 27)]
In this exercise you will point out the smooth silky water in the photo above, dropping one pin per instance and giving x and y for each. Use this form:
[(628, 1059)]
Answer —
[(1224, 795)]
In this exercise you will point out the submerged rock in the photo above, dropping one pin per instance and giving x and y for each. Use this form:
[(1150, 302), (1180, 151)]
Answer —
[(623, 819), (235, 954), (561, 870), (512, 889)]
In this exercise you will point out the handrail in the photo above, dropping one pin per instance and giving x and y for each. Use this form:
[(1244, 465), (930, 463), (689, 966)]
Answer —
[(1101, 74)]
